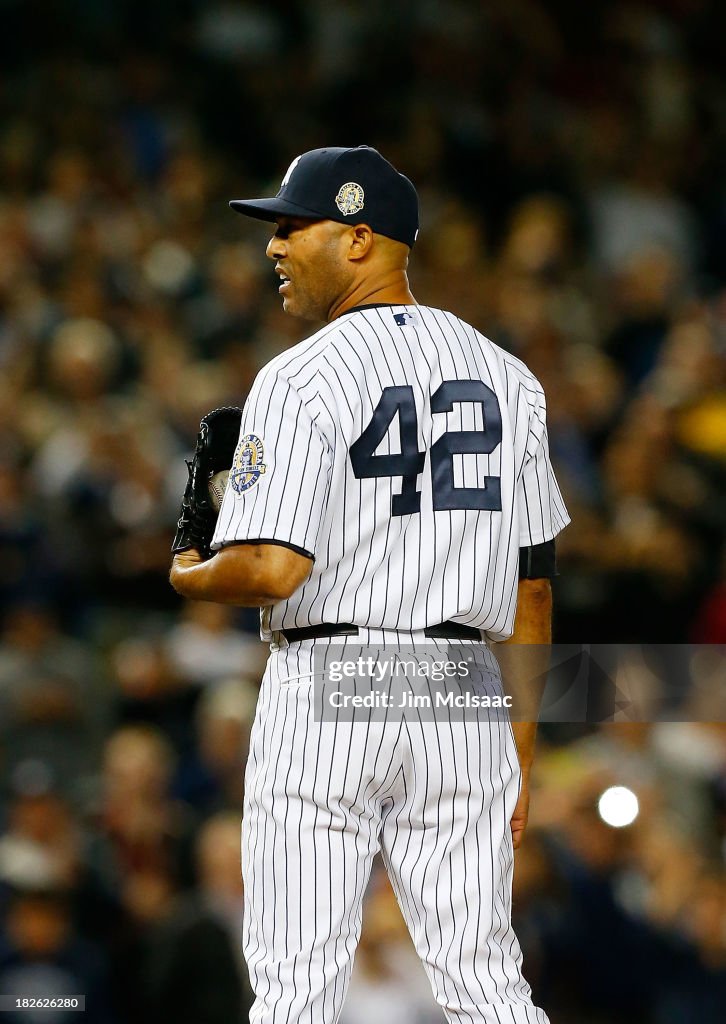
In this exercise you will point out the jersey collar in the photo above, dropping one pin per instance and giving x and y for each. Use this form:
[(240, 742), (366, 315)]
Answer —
[(372, 305)]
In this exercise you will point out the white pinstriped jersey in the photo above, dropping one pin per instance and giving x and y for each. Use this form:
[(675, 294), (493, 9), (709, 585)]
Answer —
[(408, 455)]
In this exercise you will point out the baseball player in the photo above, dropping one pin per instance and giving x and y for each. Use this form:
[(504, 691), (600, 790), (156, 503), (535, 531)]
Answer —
[(391, 485)]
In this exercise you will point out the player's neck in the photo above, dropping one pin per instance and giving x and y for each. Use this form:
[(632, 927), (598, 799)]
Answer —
[(393, 290)]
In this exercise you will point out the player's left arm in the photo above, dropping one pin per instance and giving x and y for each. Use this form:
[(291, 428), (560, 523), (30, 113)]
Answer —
[(249, 575), (266, 530)]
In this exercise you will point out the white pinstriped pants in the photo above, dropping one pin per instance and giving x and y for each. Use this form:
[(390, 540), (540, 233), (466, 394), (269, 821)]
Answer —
[(321, 799)]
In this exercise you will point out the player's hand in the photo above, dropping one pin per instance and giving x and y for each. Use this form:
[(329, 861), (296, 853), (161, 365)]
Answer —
[(183, 560), (521, 812)]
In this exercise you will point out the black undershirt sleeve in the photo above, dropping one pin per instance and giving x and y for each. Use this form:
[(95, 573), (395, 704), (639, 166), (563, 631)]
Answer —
[(538, 561)]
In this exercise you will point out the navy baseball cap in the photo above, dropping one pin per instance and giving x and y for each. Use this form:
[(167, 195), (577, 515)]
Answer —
[(352, 186)]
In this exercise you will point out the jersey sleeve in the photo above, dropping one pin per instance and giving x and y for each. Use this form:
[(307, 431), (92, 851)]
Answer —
[(279, 482), (542, 512)]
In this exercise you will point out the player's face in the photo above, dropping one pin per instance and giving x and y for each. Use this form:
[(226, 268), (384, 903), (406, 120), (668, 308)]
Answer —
[(309, 259)]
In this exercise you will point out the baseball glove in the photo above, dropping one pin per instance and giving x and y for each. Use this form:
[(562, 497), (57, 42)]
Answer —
[(216, 444)]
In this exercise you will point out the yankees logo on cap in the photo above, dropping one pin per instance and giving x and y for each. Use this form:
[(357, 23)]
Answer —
[(350, 198), (337, 184)]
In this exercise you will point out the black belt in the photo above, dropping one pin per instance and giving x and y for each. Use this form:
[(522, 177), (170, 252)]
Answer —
[(442, 631)]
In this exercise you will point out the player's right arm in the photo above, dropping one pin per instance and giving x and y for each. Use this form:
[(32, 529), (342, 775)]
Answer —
[(524, 660), (524, 657)]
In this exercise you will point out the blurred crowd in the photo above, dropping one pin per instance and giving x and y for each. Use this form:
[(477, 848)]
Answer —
[(570, 163)]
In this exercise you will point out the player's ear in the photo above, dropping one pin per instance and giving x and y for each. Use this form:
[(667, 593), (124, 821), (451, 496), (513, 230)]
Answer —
[(361, 242)]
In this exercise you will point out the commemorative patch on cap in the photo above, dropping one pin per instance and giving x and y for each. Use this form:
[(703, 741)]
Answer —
[(350, 198), (247, 466)]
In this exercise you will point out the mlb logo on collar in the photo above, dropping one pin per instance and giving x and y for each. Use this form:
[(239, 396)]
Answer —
[(405, 319)]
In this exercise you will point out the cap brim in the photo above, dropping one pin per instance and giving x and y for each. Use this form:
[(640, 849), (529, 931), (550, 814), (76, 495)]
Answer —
[(271, 209)]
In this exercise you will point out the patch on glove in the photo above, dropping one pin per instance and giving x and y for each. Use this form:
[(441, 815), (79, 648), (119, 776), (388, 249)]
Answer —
[(247, 466)]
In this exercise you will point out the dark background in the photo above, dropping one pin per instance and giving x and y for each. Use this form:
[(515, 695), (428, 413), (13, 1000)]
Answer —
[(570, 162)]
